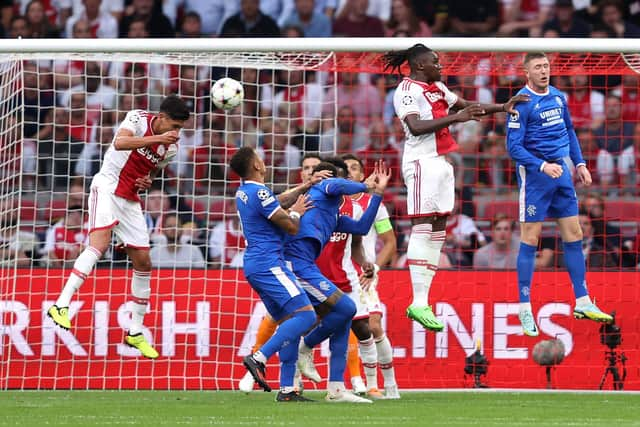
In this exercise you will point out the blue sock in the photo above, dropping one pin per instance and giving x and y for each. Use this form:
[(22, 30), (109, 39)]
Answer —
[(526, 264), (288, 357), (341, 314), (338, 344), (574, 259), (289, 330)]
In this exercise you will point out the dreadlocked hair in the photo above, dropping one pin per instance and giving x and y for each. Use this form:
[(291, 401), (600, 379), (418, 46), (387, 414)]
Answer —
[(394, 59)]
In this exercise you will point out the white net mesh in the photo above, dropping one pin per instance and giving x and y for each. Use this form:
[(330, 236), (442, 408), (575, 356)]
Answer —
[(58, 116)]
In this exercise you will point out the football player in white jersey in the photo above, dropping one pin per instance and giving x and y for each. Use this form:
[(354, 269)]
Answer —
[(422, 104), (143, 144), (383, 230)]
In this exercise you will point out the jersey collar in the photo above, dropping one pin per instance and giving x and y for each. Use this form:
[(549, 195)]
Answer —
[(253, 182), (538, 93)]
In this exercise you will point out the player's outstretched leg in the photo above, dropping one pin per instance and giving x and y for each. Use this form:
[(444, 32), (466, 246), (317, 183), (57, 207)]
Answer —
[(525, 265), (140, 293), (423, 255), (257, 370), (59, 312), (575, 262)]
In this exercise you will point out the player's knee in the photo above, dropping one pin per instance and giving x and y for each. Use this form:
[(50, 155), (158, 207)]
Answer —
[(376, 330), (345, 306), (361, 329), (141, 263), (305, 318)]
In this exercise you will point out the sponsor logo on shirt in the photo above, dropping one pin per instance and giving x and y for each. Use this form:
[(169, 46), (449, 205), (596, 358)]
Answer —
[(433, 96), (242, 196), (149, 154)]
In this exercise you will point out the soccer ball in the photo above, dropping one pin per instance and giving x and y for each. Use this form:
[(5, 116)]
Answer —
[(548, 352), (227, 93)]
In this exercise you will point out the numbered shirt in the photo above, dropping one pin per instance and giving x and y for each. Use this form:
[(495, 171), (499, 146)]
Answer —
[(429, 101), (121, 168), (256, 205)]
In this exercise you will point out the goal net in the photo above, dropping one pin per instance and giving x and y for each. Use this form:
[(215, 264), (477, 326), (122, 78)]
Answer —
[(58, 113)]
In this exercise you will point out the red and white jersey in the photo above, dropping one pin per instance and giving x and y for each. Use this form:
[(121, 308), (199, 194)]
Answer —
[(369, 241), (60, 239), (227, 243), (121, 168), (585, 108), (335, 259), (430, 101)]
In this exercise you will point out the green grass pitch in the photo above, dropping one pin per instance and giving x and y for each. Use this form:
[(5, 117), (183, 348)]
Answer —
[(424, 409)]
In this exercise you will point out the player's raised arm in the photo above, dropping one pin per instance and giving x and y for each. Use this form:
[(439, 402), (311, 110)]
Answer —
[(288, 197), (126, 140)]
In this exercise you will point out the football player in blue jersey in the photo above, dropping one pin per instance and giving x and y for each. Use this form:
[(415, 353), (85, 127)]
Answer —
[(302, 249), (539, 137), (264, 224)]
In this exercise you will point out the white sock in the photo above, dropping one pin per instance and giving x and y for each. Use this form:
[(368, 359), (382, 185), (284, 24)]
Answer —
[(423, 254), (525, 306), (385, 360), (140, 290), (81, 269), (369, 356), (583, 300), (286, 390), (259, 357), (335, 387)]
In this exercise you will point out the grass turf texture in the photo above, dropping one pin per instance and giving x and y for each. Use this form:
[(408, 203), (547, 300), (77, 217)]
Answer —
[(162, 408)]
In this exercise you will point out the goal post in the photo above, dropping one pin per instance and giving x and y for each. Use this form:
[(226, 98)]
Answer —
[(60, 101)]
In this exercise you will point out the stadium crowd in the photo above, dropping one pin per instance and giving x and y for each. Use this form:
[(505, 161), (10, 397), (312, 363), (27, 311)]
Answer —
[(72, 107)]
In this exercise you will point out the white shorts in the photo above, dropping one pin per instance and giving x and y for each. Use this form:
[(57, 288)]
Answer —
[(356, 294), (106, 210), (372, 299), (430, 186)]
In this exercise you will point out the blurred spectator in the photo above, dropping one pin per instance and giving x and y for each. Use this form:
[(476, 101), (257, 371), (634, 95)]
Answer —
[(66, 239), (353, 21), (17, 247), (596, 255), (99, 96), (292, 32), (380, 148), (191, 26), (435, 13), (347, 137), (101, 24), (612, 15), (565, 23), (212, 13), (114, 8), (380, 9), (301, 100), (6, 14), (279, 10), (56, 11), (314, 24), (358, 93), (19, 28), (90, 158), (463, 236), (473, 17), (210, 162), (586, 105), (280, 156), (38, 21), (157, 205), (404, 18), (182, 166), (226, 242), (250, 22), (615, 140), (172, 253), (604, 233), (525, 18), (629, 91), (502, 252), (156, 23)]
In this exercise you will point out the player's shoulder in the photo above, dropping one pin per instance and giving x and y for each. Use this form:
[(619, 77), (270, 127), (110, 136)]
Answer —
[(408, 85)]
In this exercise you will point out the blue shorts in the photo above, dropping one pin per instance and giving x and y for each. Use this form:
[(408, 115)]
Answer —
[(279, 290), (543, 197), (315, 284)]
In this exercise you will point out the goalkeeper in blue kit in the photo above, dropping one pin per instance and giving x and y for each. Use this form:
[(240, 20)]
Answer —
[(539, 137)]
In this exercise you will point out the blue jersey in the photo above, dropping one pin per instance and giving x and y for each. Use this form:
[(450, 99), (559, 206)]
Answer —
[(317, 224), (256, 204), (542, 130)]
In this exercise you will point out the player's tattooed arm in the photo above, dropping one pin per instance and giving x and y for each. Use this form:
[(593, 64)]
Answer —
[(126, 140), (507, 107), (288, 198)]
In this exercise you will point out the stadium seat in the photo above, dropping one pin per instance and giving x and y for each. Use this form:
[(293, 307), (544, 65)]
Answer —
[(626, 210), (491, 208)]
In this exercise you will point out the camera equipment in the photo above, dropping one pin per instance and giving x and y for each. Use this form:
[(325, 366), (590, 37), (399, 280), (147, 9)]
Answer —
[(611, 336), (476, 364)]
